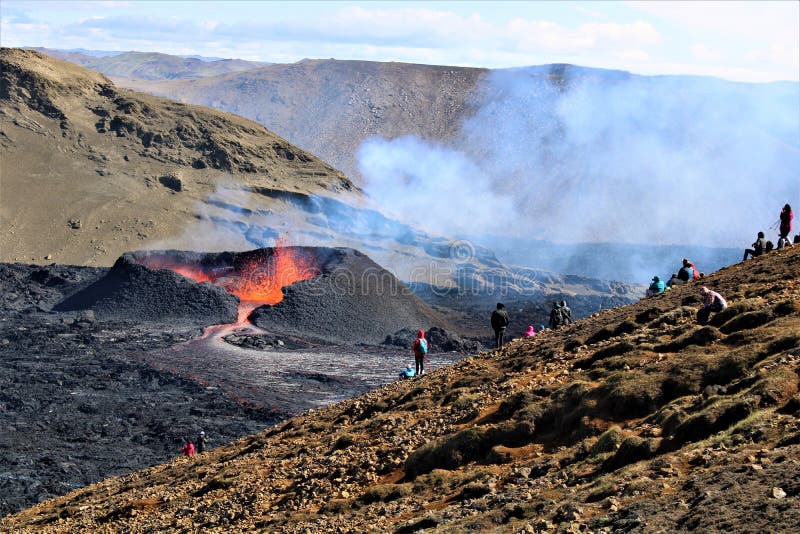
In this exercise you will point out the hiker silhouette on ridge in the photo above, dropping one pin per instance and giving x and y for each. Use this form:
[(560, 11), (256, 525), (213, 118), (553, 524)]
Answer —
[(785, 227), (420, 348), (499, 322)]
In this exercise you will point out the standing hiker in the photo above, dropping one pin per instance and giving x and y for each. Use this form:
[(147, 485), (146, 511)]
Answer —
[(712, 302), (201, 442), (555, 316), (420, 350), (785, 226), (566, 313), (499, 324)]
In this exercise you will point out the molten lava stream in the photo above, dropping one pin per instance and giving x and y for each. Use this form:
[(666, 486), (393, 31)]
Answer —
[(245, 309)]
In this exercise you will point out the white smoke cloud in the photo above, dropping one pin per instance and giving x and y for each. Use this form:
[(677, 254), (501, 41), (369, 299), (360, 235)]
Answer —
[(428, 185), (581, 155)]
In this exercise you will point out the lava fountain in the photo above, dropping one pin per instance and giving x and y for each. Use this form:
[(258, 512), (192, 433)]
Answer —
[(256, 277)]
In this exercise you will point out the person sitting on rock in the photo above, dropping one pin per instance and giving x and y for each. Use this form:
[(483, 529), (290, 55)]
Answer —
[(675, 280), (408, 372), (656, 288), (530, 332), (712, 302), (420, 350), (188, 447), (759, 247), (687, 271)]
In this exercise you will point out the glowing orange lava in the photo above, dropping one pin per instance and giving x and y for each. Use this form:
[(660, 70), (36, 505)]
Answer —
[(256, 280)]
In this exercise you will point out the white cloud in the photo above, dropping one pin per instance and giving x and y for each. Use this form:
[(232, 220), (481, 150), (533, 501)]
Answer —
[(761, 20), (635, 55), (551, 37), (703, 53)]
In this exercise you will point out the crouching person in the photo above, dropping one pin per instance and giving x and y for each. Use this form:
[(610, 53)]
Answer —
[(408, 372), (712, 302)]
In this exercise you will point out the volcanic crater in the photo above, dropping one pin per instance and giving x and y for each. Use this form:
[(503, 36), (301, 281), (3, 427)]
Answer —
[(328, 295)]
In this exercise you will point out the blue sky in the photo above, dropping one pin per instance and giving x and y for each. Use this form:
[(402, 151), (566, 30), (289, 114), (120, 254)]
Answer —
[(744, 41)]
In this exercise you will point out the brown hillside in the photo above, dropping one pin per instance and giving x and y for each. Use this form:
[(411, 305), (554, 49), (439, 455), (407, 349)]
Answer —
[(330, 106), (90, 170), (634, 419)]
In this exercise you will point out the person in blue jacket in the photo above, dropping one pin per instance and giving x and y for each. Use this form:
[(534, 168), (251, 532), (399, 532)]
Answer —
[(408, 372), (657, 287)]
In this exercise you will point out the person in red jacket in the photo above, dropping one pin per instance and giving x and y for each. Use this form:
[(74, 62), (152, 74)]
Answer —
[(188, 448), (785, 226), (420, 350)]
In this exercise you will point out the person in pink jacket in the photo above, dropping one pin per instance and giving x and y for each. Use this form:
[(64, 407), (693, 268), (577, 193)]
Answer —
[(785, 226), (188, 448), (712, 302), (530, 332)]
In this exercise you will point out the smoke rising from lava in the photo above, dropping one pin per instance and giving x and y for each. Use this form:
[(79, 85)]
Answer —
[(581, 155)]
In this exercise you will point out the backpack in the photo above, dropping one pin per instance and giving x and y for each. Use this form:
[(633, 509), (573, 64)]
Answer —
[(422, 345)]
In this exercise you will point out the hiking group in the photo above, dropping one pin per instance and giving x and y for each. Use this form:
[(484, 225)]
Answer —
[(560, 315), (686, 273)]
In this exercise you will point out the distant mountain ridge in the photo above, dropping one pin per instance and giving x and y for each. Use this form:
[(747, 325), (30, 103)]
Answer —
[(151, 65)]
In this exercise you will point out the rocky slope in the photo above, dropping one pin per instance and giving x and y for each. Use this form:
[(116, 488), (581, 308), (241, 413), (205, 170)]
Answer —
[(635, 419), (91, 170)]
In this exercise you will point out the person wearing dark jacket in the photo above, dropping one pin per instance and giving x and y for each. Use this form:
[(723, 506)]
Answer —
[(759, 247), (786, 221), (687, 271), (675, 280), (555, 315), (499, 324), (566, 313), (200, 443)]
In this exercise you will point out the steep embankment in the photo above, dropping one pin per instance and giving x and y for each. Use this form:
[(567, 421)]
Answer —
[(634, 419), (91, 170)]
